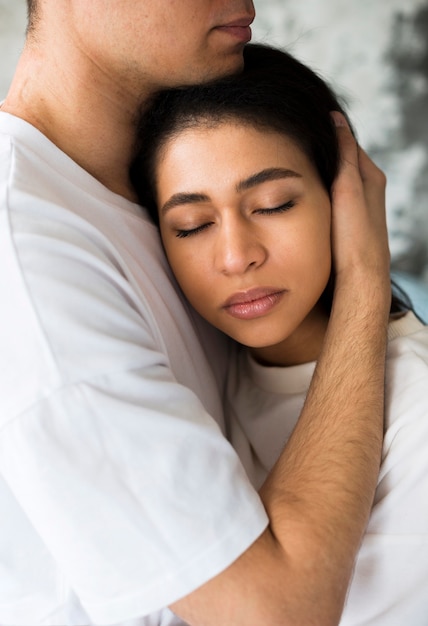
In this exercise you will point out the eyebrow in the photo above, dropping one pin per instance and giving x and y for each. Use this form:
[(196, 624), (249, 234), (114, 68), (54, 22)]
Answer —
[(271, 173), (177, 199)]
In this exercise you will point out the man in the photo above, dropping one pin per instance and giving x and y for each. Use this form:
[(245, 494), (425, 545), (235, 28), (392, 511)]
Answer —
[(120, 493)]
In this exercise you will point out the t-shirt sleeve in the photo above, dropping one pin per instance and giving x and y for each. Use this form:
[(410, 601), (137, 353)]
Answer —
[(129, 482)]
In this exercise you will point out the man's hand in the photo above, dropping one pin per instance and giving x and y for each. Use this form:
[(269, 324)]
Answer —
[(359, 233)]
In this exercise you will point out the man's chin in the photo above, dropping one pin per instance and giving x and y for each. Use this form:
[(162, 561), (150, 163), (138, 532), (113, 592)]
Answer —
[(232, 65)]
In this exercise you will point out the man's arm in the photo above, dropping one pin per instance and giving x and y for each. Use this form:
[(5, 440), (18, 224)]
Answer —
[(319, 494)]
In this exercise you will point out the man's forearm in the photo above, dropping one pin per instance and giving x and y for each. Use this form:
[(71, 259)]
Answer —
[(319, 495)]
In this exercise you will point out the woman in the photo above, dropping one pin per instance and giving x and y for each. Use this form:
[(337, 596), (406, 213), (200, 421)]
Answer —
[(238, 174)]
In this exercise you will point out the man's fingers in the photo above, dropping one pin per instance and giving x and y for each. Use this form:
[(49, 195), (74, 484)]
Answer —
[(349, 180), (374, 184), (358, 173), (359, 231), (347, 144)]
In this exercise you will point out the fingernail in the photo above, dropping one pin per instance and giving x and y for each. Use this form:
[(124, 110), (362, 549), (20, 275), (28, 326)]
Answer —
[(338, 118)]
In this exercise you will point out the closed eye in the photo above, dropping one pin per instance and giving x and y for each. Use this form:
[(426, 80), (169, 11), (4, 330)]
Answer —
[(279, 209), (182, 233)]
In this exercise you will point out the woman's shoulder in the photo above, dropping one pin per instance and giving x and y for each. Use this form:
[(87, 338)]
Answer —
[(407, 360)]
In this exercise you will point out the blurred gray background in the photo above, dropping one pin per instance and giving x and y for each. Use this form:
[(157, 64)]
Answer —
[(375, 54)]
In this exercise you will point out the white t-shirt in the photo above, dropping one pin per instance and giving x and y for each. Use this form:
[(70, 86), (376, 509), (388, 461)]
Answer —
[(119, 492), (390, 582)]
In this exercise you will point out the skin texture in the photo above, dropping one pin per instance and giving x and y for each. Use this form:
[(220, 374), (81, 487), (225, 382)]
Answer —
[(209, 50), (84, 75), (224, 239)]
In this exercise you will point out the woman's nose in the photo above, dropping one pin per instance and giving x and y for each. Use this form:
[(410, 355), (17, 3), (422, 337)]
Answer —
[(239, 249)]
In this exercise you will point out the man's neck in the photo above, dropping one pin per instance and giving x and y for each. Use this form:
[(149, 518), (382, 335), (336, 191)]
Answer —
[(88, 119)]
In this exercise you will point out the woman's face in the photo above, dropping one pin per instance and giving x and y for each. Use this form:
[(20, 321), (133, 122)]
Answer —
[(245, 222)]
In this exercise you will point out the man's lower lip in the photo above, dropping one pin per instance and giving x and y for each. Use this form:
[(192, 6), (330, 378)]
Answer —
[(254, 308), (242, 33)]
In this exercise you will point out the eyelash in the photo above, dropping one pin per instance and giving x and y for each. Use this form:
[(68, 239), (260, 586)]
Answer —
[(182, 234), (279, 209)]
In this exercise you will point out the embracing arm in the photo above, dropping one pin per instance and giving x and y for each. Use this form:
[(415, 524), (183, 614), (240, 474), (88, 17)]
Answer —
[(318, 495)]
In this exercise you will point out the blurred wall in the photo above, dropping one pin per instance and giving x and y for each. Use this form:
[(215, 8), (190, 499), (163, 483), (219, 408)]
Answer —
[(375, 54), (12, 27)]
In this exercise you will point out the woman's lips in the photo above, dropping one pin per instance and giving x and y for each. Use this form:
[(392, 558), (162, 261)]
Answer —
[(254, 303)]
